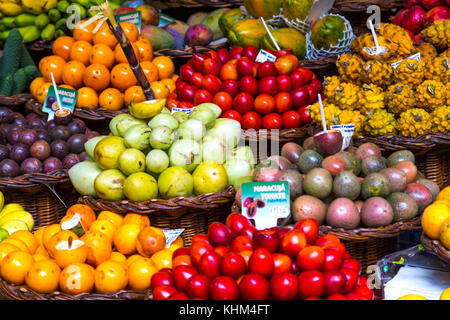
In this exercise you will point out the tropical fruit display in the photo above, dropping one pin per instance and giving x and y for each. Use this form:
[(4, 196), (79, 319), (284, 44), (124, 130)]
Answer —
[(96, 66), (349, 189), (87, 252), (163, 155), (13, 218), (235, 261), (436, 218), (260, 95), (392, 93)]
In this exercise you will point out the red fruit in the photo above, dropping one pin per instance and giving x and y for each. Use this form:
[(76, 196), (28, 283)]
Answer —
[(353, 264), (169, 270), (236, 222), (437, 13), (305, 114), (272, 121), (316, 84), (248, 231), (429, 4), (210, 264), (250, 52), (181, 251), (223, 54), (211, 83), (326, 238), (253, 286), (333, 259), (235, 52), (312, 94), (161, 279), (292, 243), (214, 55), (230, 86), (297, 79), (219, 234), (181, 275), (202, 96), (307, 74), (283, 286), (187, 93), (243, 102), (285, 65), (223, 288), (264, 104), (355, 296), (336, 297), (338, 246), (300, 97), (291, 119), (246, 67), (248, 84), (282, 230), (311, 283), (364, 291), (200, 237), (251, 120), (233, 265), (267, 238), (281, 263), (185, 105), (211, 66), (221, 250), (198, 59), (284, 83), (334, 282), (179, 296), (186, 72), (163, 292), (261, 262), (223, 100), (198, 248), (283, 52), (266, 69), (351, 279), (310, 229), (414, 19), (198, 286), (232, 114), (229, 71), (313, 298), (283, 102), (268, 85), (311, 258)]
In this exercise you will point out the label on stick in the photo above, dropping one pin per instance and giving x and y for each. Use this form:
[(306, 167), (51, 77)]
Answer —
[(264, 56), (68, 99), (134, 17), (347, 133)]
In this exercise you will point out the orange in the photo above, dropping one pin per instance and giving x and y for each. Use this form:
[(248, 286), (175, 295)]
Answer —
[(87, 98), (67, 86), (133, 258), (41, 92), (80, 51), (150, 71), (38, 235), (133, 94), (182, 259), (48, 233), (125, 238), (69, 252), (5, 249), (145, 50), (102, 54), (39, 257), (42, 62), (165, 66), (53, 64), (177, 243), (113, 217), (122, 77), (61, 47), (86, 214), (445, 295), (15, 266), (117, 256), (160, 90), (42, 251), (111, 99), (170, 84), (105, 36), (97, 77), (28, 238), (119, 55), (175, 77), (72, 73), (77, 278), (35, 84), (444, 194), (43, 276), (130, 30), (98, 247), (104, 226), (141, 220), (83, 33), (110, 276), (162, 259), (444, 233), (58, 237), (150, 240), (433, 218), (18, 243), (140, 274)]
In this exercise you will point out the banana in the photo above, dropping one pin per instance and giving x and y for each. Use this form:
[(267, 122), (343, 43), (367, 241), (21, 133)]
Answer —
[(10, 9), (42, 20), (32, 6), (49, 32), (49, 4), (9, 22), (25, 19), (62, 6), (30, 33)]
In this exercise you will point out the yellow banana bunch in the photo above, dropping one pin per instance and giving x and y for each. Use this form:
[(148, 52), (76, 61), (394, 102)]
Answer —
[(38, 6), (10, 8)]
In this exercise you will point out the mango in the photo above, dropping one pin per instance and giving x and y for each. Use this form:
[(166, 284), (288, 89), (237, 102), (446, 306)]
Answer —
[(286, 38), (159, 38)]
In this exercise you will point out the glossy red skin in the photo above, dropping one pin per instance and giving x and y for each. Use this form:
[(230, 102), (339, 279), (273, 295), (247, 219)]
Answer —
[(284, 65), (307, 74), (203, 96), (186, 72), (166, 270), (311, 258), (297, 79), (180, 251), (351, 277), (243, 102), (291, 119), (223, 54), (362, 281), (336, 296), (268, 85), (210, 264), (352, 264), (233, 265), (235, 52), (338, 246), (333, 260), (253, 286), (251, 120), (305, 114), (200, 237), (316, 84), (355, 296), (241, 243), (292, 243), (312, 94), (272, 121), (264, 104), (364, 291), (326, 238), (232, 114), (223, 100), (283, 286), (230, 86), (261, 262), (335, 282), (222, 250), (248, 231), (219, 234), (161, 279), (163, 292), (211, 66), (282, 230), (198, 286), (267, 238), (185, 105), (313, 298), (248, 84), (246, 67), (300, 97), (187, 93), (198, 249), (197, 79), (214, 55), (311, 283), (223, 288), (236, 222), (284, 83), (250, 52), (265, 69), (310, 228), (282, 52), (181, 275), (198, 59), (283, 102), (282, 263), (211, 83)]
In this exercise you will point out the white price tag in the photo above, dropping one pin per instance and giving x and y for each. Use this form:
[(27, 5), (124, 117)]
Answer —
[(264, 56), (347, 133), (187, 111), (171, 235), (69, 224), (415, 56)]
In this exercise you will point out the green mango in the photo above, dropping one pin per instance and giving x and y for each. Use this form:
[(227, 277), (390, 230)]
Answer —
[(286, 38), (247, 32)]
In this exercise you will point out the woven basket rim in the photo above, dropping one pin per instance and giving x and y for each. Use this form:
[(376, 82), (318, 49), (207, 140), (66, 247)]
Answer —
[(36, 179), (14, 100), (435, 247), (358, 5), (285, 135)]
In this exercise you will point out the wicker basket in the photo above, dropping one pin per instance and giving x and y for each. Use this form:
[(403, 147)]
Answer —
[(435, 247), (194, 3), (361, 6), (16, 101)]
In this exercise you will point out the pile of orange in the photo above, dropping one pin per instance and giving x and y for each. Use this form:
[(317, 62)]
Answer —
[(436, 218), (107, 258), (96, 66)]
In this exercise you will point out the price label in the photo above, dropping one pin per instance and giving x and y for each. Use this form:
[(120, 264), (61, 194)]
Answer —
[(264, 56), (265, 202), (172, 235), (134, 17), (68, 99), (187, 110), (347, 133), (415, 56), (164, 20)]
